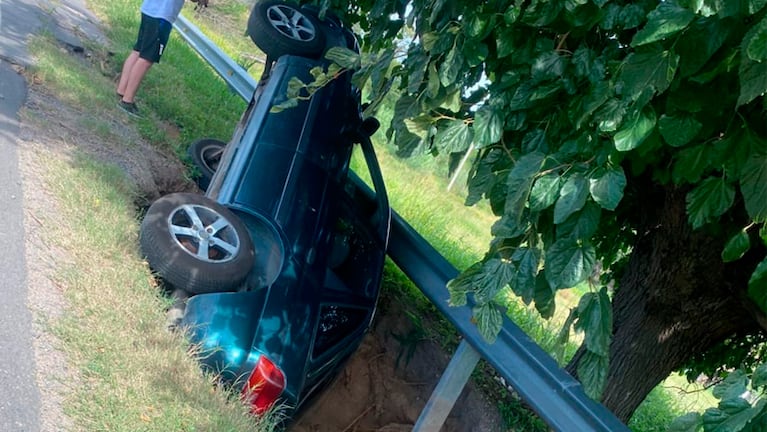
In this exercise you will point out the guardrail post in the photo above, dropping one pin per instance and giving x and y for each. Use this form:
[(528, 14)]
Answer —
[(448, 389)]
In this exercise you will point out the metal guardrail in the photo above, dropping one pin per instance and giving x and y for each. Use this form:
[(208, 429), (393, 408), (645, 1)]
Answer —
[(235, 76), (550, 391)]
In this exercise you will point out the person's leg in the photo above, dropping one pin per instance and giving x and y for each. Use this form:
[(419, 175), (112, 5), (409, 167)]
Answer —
[(126, 71), (134, 77)]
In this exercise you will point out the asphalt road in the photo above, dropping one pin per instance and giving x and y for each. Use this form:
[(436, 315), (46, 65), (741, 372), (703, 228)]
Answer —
[(19, 395)]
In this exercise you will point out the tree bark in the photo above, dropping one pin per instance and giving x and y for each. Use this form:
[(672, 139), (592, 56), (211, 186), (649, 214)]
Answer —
[(674, 299)]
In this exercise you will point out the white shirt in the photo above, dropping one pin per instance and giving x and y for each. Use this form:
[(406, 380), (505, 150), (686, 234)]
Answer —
[(165, 9)]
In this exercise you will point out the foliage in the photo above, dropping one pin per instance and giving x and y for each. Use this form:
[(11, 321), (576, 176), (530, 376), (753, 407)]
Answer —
[(572, 108), (740, 351), (742, 406)]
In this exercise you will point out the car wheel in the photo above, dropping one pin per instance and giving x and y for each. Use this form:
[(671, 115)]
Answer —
[(196, 244), (206, 154), (279, 28)]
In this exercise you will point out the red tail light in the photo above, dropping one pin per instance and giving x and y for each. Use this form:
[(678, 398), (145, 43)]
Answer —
[(264, 386)]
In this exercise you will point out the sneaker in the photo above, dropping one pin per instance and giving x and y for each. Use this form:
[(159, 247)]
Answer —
[(130, 108)]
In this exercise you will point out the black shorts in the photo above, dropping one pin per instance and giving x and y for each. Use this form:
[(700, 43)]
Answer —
[(152, 38)]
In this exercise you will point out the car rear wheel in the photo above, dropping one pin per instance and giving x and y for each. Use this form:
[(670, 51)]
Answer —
[(279, 28), (206, 154), (196, 244)]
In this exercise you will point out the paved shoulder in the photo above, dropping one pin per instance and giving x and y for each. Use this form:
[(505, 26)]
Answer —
[(68, 21), (19, 406)]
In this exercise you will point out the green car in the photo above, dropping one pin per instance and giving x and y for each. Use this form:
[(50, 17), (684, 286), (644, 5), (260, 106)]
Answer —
[(283, 255)]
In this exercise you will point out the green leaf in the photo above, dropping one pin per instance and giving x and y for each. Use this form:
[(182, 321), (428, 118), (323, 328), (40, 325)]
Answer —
[(635, 130), (511, 14), (700, 42), (295, 85), (690, 422), (595, 319), (690, 164), (753, 186), (548, 65), (344, 57), (481, 177), (756, 46), (545, 301), (504, 42), (734, 405), (757, 285), (519, 183), (755, 6), (495, 275), (416, 63), (572, 197), (631, 16), (420, 126), (463, 284), (732, 387), (592, 372), (648, 70), (508, 228), (607, 187), (610, 115), (737, 415), (544, 192), (759, 377), (528, 261), (475, 52), (488, 126), (451, 66), (475, 25), (736, 247), (432, 84), (568, 263), (678, 130), (455, 137), (709, 200), (489, 321), (667, 19), (753, 80), (587, 65), (564, 336), (581, 225), (597, 96), (610, 16), (541, 13)]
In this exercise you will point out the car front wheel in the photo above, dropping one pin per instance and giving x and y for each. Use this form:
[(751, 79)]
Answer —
[(279, 28), (206, 155), (196, 244)]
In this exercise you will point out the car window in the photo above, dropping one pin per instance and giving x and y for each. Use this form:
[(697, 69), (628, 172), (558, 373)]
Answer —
[(336, 322)]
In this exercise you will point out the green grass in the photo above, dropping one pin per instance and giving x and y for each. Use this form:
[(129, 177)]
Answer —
[(181, 91), (132, 374)]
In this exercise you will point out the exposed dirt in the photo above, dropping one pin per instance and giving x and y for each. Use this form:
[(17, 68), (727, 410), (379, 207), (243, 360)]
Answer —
[(379, 390)]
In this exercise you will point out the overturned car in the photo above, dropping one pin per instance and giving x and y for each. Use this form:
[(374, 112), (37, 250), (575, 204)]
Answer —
[(283, 255)]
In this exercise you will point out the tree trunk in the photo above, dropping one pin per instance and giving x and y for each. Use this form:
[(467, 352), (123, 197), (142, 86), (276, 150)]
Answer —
[(675, 298)]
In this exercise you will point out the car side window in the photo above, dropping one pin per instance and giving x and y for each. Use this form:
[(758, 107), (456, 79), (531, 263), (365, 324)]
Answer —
[(336, 322)]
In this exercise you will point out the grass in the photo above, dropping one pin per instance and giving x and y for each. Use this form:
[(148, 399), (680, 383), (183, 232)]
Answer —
[(188, 96), (130, 373)]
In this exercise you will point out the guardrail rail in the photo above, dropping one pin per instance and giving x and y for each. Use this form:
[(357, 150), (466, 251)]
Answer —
[(551, 392)]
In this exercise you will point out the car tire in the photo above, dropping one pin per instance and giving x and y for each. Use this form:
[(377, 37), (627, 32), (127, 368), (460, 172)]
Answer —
[(206, 154), (196, 244), (279, 28)]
